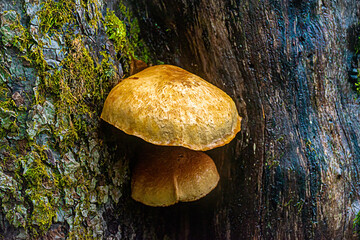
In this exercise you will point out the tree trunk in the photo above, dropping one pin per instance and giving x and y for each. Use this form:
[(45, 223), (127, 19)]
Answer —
[(291, 173)]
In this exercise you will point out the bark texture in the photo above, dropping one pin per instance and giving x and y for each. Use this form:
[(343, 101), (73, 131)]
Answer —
[(291, 173)]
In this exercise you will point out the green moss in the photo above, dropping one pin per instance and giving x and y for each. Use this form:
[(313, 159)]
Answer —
[(34, 170), (77, 88), (116, 31), (80, 231), (30, 48), (4, 74), (125, 35), (22, 40), (137, 45), (54, 16), (41, 189), (357, 85), (356, 225), (17, 215), (42, 214), (62, 117), (52, 22), (93, 13), (9, 114), (27, 168)]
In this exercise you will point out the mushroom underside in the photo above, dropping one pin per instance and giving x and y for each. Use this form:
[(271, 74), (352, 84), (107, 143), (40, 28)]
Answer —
[(164, 176)]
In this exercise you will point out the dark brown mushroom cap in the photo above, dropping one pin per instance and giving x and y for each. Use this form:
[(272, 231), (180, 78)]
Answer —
[(166, 105), (166, 175)]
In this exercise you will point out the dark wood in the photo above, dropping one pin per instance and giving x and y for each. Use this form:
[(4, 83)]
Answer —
[(292, 171)]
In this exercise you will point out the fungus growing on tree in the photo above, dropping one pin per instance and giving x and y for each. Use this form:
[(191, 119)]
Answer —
[(164, 176), (166, 105)]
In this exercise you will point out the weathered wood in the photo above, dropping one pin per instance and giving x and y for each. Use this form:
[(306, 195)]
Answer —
[(292, 172)]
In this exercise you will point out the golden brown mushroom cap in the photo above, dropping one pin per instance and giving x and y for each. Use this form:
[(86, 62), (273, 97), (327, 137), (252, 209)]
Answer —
[(166, 175), (166, 105)]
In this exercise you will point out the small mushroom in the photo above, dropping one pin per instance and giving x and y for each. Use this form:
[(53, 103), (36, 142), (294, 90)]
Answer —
[(164, 176), (166, 105)]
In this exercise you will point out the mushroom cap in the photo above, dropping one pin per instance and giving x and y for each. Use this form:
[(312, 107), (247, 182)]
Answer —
[(164, 176), (166, 105)]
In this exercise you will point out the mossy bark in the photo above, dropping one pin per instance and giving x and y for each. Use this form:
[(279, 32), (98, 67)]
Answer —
[(291, 173), (59, 60)]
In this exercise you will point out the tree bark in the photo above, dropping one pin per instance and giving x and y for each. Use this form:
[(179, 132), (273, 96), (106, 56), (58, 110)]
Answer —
[(291, 173)]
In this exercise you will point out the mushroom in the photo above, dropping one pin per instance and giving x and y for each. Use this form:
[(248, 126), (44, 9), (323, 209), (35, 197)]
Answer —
[(164, 176), (168, 106)]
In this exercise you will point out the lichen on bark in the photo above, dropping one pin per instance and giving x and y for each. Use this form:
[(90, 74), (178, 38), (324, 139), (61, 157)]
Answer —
[(57, 66)]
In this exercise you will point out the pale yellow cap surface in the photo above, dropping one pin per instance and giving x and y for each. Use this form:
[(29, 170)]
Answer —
[(166, 105), (166, 175)]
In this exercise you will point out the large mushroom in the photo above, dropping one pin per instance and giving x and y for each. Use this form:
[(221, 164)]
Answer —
[(166, 105)]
